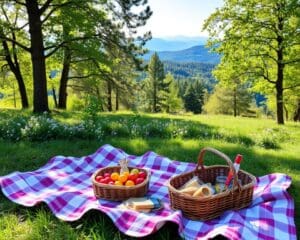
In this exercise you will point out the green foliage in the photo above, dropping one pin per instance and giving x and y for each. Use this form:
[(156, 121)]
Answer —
[(226, 100), (92, 108), (70, 36), (193, 97), (259, 43), (172, 102), (191, 70), (158, 88), (44, 127)]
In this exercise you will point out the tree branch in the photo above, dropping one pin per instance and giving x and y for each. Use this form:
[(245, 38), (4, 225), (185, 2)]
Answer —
[(21, 3), (86, 76), (58, 46), (15, 42), (291, 87), (292, 61), (45, 6), (82, 60)]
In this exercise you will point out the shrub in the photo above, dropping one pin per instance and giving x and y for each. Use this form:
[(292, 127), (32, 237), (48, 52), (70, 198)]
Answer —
[(10, 129), (269, 139)]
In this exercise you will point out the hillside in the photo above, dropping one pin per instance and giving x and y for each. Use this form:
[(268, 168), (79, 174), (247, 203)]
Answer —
[(174, 43), (192, 71), (193, 54)]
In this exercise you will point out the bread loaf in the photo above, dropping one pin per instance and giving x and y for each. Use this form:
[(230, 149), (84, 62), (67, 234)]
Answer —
[(194, 182), (203, 191)]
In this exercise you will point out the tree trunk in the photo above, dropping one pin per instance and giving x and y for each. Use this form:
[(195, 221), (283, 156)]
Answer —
[(54, 97), (279, 100), (14, 94), (234, 103), (117, 99), (297, 112), (15, 68), (62, 99), (286, 112), (154, 96), (40, 96), (99, 99), (109, 100), (280, 67)]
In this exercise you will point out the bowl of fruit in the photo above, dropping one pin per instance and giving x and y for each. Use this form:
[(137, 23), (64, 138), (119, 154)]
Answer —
[(115, 183)]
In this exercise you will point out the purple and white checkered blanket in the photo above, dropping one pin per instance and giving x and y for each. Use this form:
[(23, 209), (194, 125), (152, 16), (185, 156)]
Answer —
[(64, 185)]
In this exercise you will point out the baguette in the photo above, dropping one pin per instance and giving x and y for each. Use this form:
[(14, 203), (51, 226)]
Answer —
[(189, 190)]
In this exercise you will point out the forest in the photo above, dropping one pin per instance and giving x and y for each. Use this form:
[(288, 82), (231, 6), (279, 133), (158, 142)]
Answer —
[(70, 54)]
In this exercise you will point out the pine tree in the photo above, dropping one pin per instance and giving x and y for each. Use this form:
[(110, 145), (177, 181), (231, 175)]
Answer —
[(193, 97), (156, 78), (172, 102), (225, 100)]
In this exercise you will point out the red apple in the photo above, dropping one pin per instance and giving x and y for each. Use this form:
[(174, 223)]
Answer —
[(142, 175), (133, 176), (98, 178), (139, 180)]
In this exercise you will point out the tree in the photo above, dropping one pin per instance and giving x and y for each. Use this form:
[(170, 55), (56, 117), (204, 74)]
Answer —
[(110, 43), (116, 14), (193, 98), (10, 49), (260, 41), (229, 100), (156, 77), (172, 101)]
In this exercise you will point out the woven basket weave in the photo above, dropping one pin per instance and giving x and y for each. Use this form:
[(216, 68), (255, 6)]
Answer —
[(205, 208), (118, 193)]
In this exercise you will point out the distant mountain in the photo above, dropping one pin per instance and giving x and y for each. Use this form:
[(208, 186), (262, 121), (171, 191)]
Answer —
[(193, 54), (174, 43)]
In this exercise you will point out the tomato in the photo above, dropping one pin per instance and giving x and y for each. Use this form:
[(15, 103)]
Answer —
[(103, 181), (129, 183), (106, 175), (142, 175), (139, 180), (107, 179), (114, 176), (98, 178), (132, 176)]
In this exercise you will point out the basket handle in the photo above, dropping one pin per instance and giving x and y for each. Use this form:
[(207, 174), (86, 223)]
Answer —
[(222, 155)]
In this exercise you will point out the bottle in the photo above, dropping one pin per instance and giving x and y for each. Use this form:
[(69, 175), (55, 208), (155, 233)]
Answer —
[(236, 166), (220, 183)]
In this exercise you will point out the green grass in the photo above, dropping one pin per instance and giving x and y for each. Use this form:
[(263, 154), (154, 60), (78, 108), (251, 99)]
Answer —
[(17, 222)]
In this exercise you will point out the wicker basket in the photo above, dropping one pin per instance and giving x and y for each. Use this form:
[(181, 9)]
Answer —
[(118, 193), (210, 207)]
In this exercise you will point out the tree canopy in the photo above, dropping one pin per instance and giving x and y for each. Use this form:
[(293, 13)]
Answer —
[(259, 42), (70, 28)]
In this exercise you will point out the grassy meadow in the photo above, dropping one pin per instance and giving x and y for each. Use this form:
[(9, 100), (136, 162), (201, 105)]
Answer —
[(28, 142)]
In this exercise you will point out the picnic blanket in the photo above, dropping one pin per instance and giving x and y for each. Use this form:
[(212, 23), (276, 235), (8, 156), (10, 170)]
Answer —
[(64, 185)]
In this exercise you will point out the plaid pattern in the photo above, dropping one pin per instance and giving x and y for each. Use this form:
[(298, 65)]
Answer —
[(64, 184)]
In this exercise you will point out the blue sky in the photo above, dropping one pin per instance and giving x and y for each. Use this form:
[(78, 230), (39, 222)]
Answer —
[(179, 17)]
